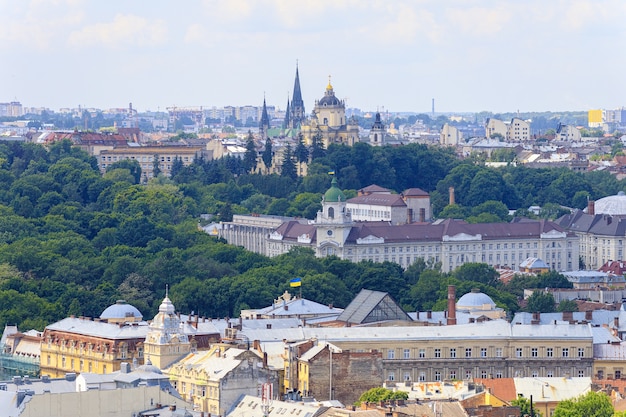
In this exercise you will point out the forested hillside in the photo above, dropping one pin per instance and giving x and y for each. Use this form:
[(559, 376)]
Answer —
[(72, 241)]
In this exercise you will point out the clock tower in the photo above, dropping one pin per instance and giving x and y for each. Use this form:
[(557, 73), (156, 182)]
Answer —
[(333, 223)]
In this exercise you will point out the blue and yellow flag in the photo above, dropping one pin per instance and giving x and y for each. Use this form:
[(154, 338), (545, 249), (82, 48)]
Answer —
[(331, 172), (295, 282)]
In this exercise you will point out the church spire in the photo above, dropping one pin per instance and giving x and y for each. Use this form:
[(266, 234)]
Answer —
[(297, 104), (264, 125), (287, 121)]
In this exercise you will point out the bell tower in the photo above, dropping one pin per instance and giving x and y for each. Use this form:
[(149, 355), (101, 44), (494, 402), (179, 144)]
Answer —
[(333, 222)]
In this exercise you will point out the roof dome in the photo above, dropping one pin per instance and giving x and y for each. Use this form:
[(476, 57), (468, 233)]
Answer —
[(334, 194), (475, 300), (329, 100), (614, 204), (120, 310), (148, 367)]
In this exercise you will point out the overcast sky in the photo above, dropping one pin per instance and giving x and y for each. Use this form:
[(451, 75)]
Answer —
[(396, 55)]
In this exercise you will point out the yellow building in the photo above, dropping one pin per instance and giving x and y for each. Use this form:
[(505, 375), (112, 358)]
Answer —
[(329, 123), (81, 344), (214, 380), (594, 118)]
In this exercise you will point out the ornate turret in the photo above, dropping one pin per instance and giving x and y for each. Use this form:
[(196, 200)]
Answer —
[(166, 342), (333, 222)]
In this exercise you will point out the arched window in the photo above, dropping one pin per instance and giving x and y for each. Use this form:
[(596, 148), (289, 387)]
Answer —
[(375, 137), (331, 213)]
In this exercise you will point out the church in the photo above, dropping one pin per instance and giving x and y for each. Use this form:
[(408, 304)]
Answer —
[(336, 231)]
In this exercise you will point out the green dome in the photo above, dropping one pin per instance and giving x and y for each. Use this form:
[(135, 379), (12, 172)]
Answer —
[(334, 194)]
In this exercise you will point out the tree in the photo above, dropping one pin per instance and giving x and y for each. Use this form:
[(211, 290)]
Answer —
[(249, 159), (268, 154), (592, 404), (288, 168), (177, 166), (375, 395), (524, 406), (540, 302), (156, 170), (567, 305), (301, 152), (317, 147)]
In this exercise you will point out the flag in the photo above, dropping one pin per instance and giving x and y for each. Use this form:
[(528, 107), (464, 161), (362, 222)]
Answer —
[(296, 282), (331, 172)]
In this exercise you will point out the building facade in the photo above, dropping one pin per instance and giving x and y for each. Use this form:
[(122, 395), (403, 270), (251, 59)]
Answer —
[(451, 242)]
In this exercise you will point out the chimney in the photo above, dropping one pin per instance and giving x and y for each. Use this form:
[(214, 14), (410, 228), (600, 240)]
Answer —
[(568, 316), (536, 318), (265, 360), (422, 215), (268, 326), (451, 305), (256, 344), (589, 315), (429, 314), (616, 322), (451, 195), (591, 207)]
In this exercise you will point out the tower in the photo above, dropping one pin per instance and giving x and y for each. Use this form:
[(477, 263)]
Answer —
[(287, 121), (377, 132), (333, 223), (297, 115), (264, 124), (166, 342)]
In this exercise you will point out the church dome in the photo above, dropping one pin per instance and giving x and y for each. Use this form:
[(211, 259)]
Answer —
[(475, 300), (334, 193), (148, 367), (329, 100), (613, 205), (121, 310)]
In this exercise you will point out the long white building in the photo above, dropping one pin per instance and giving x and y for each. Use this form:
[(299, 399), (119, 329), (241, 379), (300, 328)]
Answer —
[(451, 242)]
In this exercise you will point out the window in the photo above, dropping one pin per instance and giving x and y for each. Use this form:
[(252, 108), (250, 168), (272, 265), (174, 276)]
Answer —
[(549, 352), (407, 376), (581, 374), (618, 374), (468, 352), (391, 376), (407, 353), (581, 352), (498, 352), (437, 376), (422, 353), (518, 352), (483, 352), (565, 352), (90, 367), (498, 374), (453, 352), (391, 354), (453, 374), (437, 353), (422, 376), (549, 374), (534, 373), (483, 374), (63, 362), (534, 352)]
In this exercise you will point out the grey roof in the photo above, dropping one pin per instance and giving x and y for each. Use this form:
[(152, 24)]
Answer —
[(100, 329), (121, 309), (370, 306), (495, 329), (298, 306), (598, 317), (385, 200), (474, 299), (599, 224), (613, 204)]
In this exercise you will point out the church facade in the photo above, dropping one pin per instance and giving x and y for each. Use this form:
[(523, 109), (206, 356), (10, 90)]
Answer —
[(450, 242)]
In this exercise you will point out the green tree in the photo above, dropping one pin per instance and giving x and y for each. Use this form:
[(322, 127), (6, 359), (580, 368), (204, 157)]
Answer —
[(156, 169), (378, 394), (317, 147), (288, 168), (540, 302), (268, 153), (524, 406), (567, 305), (301, 152), (592, 404), (249, 158)]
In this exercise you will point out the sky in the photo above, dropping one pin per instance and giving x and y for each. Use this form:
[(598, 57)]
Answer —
[(396, 56)]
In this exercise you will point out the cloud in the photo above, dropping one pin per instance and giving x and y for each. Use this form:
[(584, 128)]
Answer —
[(124, 31), (478, 21)]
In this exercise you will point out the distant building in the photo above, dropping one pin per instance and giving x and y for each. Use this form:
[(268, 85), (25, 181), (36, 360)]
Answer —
[(450, 135), (287, 306), (495, 128), (568, 133), (328, 122), (518, 130)]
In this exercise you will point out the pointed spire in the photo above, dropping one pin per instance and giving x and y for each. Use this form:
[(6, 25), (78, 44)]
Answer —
[(287, 120), (297, 104), (264, 125)]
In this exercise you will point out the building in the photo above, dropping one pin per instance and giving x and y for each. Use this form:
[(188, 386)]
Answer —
[(518, 130), (295, 114), (149, 157), (81, 344), (326, 372), (450, 135), (20, 353), (601, 229), (328, 122), (568, 133), (375, 203), (451, 242), (214, 380), (588, 280), (495, 128), (287, 306)]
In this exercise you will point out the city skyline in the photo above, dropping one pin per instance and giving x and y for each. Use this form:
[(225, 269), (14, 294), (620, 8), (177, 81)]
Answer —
[(469, 56)]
